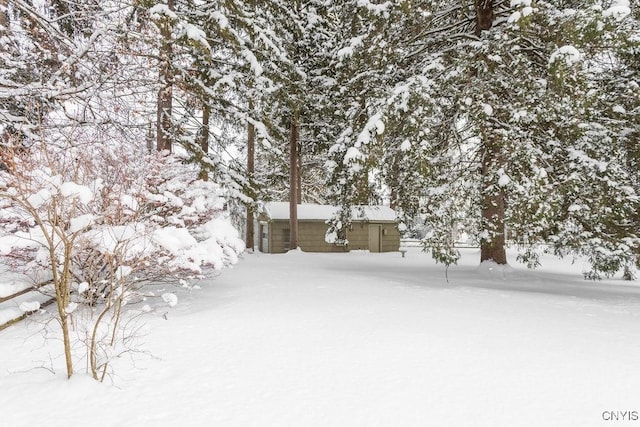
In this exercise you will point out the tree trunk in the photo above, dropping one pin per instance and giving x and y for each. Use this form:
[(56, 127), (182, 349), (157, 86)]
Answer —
[(493, 196), (293, 182), (394, 184), (493, 206), (484, 15), (64, 322), (165, 94), (204, 134), (251, 154), (299, 171), (4, 19), (204, 139), (63, 297)]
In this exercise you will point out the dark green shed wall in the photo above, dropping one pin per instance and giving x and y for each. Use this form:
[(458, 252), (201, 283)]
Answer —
[(311, 236)]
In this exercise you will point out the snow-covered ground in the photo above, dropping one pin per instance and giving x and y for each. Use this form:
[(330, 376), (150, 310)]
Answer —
[(355, 339)]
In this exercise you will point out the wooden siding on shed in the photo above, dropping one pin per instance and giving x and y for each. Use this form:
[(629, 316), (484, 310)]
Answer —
[(277, 243), (391, 241), (358, 236), (311, 237)]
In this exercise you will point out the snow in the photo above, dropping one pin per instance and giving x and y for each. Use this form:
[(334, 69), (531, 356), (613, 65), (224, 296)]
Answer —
[(352, 154), (331, 237), (619, 10), (162, 9), (514, 17), (28, 306), (374, 125), (519, 114), (71, 307), (569, 54), (11, 283), (376, 8), (311, 211), (618, 109), (111, 239), (11, 287), (82, 192), (220, 245), (253, 61), (354, 339), (222, 20), (306, 211), (525, 11), (10, 313), (82, 287), (174, 239), (80, 222), (123, 271), (504, 180), (40, 198), (347, 51), (222, 232), (170, 299), (373, 213), (20, 240), (129, 202), (196, 34)]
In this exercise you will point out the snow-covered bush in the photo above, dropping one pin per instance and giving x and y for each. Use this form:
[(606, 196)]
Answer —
[(98, 221)]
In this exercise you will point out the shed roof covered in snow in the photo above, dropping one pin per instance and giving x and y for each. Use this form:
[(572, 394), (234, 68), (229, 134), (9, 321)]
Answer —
[(315, 212)]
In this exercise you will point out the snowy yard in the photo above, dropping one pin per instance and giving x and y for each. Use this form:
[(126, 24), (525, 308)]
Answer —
[(357, 339)]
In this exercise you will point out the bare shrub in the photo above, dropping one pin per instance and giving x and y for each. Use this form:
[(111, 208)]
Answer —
[(100, 221)]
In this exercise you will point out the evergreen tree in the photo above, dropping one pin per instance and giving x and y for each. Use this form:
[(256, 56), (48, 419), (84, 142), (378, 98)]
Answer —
[(519, 133), (494, 115)]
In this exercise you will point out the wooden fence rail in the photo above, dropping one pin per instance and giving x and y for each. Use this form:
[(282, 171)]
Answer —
[(24, 315)]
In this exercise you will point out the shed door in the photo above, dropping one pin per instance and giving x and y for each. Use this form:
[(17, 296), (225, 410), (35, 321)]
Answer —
[(264, 238), (374, 238)]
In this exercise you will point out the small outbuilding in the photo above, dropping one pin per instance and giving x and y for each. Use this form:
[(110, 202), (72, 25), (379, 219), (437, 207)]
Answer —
[(373, 228)]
